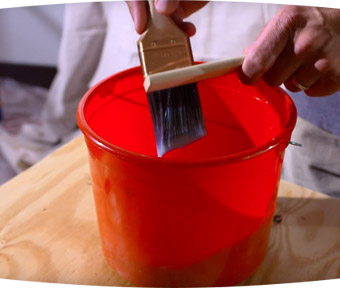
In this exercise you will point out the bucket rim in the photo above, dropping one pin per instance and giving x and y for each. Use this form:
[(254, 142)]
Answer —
[(281, 138)]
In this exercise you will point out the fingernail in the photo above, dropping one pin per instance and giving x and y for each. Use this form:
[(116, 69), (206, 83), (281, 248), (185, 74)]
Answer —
[(244, 78), (161, 6), (251, 69), (166, 7)]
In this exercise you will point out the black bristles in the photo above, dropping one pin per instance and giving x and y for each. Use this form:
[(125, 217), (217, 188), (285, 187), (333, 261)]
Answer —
[(177, 117)]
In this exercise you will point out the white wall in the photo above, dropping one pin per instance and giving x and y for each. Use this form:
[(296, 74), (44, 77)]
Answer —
[(31, 35)]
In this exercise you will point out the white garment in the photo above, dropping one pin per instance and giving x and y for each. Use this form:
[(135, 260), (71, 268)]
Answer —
[(315, 165), (224, 29), (99, 39)]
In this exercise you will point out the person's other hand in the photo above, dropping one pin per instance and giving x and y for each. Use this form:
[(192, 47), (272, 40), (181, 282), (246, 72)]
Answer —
[(178, 10), (299, 47)]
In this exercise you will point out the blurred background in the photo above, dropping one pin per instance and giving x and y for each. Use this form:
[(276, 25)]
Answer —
[(29, 40), (29, 44)]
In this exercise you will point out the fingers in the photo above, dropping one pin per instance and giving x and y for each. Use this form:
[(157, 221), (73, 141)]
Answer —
[(139, 14), (188, 28), (284, 66), (178, 17), (262, 54), (172, 8), (315, 80), (303, 78), (298, 47), (178, 11), (167, 7), (323, 87)]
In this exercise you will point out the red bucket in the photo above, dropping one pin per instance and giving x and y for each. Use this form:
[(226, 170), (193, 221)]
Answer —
[(201, 215)]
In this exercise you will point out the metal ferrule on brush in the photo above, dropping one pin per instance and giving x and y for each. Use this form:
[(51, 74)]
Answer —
[(163, 46), (176, 112)]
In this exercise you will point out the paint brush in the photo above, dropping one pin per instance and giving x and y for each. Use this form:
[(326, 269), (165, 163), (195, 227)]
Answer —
[(176, 111), (191, 74)]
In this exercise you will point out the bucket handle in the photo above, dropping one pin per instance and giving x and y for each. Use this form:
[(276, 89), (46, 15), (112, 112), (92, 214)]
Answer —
[(295, 143)]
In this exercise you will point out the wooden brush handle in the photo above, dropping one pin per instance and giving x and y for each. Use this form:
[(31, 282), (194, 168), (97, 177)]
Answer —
[(190, 74)]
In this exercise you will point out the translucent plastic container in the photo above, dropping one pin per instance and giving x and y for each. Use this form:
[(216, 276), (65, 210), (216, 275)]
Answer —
[(201, 215)]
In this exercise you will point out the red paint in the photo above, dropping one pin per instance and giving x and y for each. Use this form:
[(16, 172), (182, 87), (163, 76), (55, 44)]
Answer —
[(201, 215)]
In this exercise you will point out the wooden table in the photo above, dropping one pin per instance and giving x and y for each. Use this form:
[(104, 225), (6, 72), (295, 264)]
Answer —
[(48, 229)]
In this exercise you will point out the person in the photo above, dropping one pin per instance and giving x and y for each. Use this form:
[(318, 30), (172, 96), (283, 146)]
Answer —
[(285, 52), (99, 39), (298, 48)]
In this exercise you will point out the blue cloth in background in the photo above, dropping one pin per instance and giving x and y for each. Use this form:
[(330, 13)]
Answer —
[(323, 112)]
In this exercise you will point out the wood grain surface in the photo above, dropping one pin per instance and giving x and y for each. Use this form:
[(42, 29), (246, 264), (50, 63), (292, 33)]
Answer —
[(48, 229)]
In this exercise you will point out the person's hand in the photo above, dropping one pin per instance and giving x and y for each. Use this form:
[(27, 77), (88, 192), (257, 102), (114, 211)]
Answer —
[(178, 10), (299, 47)]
